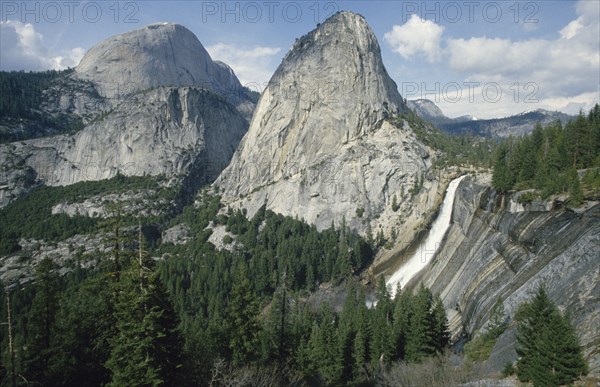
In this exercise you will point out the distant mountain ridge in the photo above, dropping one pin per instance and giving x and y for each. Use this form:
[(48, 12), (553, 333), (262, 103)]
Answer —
[(516, 125)]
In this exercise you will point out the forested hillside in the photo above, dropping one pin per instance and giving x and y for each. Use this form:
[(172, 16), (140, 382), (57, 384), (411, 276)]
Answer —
[(201, 314), (549, 158), (454, 149), (194, 315), (142, 311), (23, 94)]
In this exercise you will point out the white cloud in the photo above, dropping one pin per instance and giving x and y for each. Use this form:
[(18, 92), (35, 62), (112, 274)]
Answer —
[(253, 66), (571, 29), (566, 66), (416, 36), (23, 49), (558, 74)]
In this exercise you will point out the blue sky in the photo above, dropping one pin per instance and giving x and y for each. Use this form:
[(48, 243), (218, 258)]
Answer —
[(481, 58)]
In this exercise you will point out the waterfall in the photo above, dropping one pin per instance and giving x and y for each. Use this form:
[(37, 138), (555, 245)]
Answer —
[(427, 248)]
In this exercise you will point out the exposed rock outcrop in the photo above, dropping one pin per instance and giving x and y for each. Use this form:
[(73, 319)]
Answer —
[(185, 133), (494, 249), (163, 54), (177, 235), (139, 203), (426, 109), (320, 145), (152, 101)]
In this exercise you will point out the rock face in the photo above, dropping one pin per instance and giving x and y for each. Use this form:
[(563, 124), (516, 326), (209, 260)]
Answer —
[(153, 102), (496, 249), (320, 145), (426, 109), (157, 55), (186, 133)]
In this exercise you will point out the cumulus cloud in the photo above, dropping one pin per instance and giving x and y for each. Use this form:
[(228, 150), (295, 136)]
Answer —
[(567, 65), (253, 66), (416, 36), (23, 49), (554, 74)]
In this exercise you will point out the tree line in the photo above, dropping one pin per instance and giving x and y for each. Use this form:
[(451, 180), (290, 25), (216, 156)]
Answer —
[(23, 93), (194, 315), (548, 159), (135, 320)]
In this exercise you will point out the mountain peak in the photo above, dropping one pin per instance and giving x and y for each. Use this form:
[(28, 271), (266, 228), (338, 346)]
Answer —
[(162, 54), (341, 29), (319, 145), (426, 108)]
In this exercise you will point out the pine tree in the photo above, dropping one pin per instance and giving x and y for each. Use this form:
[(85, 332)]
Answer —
[(11, 343), (42, 322), (579, 142), (537, 136), (147, 347), (441, 334), (117, 239), (502, 178), (242, 315), (380, 241), (498, 323), (403, 310), (360, 353), (85, 324), (575, 192), (548, 348), (594, 120), (324, 348), (528, 157), (275, 337), (420, 341), (382, 347)]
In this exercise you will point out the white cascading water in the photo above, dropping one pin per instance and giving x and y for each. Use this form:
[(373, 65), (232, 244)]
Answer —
[(428, 248)]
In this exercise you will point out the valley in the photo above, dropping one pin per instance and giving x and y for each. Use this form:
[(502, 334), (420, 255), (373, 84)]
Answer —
[(161, 223)]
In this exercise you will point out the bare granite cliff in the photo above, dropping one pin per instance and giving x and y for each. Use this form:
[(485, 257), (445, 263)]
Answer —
[(153, 102), (181, 132), (163, 54), (321, 145)]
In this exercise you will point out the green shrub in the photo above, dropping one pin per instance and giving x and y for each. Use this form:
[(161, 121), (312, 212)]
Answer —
[(508, 369), (360, 212), (528, 197), (479, 349)]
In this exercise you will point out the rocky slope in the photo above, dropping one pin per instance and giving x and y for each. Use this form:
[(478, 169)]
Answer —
[(320, 145), (426, 109), (497, 247), (182, 132), (154, 103)]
